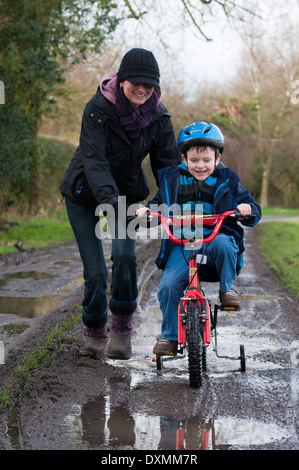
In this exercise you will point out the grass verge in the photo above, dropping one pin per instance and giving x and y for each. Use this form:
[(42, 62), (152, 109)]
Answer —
[(279, 246), (34, 361), (35, 233), (279, 211)]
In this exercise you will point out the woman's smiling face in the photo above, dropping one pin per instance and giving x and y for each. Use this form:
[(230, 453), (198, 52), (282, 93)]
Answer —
[(137, 93), (201, 163)]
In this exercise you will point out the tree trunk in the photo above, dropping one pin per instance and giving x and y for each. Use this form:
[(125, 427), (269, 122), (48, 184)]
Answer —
[(266, 179)]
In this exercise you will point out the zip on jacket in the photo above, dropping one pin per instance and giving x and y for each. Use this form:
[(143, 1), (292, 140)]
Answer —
[(106, 164), (228, 195)]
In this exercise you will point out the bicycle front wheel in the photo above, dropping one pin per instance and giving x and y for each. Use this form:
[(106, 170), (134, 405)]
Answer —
[(194, 344)]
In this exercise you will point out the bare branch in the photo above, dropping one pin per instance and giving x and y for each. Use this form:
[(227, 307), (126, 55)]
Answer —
[(133, 13), (194, 20), (236, 6)]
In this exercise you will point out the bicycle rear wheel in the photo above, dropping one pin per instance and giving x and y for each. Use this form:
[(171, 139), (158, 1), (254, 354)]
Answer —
[(194, 344)]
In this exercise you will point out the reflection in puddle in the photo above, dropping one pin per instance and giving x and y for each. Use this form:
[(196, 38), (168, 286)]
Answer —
[(12, 329), (99, 424), (29, 307), (13, 430), (259, 298), (25, 275)]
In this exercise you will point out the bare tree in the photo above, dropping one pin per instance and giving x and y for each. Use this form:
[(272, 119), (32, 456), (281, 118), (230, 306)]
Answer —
[(270, 64), (196, 12)]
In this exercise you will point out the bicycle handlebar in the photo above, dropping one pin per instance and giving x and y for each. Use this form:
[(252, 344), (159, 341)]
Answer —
[(214, 219)]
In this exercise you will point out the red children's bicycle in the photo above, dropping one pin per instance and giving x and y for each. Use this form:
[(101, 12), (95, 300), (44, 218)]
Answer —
[(197, 324)]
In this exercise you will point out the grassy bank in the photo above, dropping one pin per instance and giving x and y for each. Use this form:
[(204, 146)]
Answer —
[(35, 233), (279, 211), (34, 361), (279, 246)]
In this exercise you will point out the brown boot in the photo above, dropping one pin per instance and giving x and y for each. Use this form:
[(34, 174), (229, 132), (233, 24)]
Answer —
[(165, 347), (120, 337), (229, 298), (95, 343)]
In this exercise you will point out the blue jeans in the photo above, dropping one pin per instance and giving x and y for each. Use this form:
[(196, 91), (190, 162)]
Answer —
[(124, 273), (221, 252)]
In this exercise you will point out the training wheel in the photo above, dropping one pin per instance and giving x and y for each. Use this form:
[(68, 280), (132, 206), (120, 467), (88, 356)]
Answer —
[(242, 358)]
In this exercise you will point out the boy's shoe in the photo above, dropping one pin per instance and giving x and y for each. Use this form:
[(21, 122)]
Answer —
[(165, 347), (229, 298)]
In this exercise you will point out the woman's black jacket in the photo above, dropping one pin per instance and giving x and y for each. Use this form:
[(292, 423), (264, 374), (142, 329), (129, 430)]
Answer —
[(107, 164)]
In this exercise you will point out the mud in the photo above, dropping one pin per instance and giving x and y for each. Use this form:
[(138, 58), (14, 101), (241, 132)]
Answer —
[(81, 403)]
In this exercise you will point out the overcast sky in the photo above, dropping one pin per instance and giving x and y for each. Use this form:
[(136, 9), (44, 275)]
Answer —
[(189, 56)]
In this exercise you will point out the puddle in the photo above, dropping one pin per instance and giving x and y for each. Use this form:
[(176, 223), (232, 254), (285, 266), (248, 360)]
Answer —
[(61, 263), (12, 329), (98, 423), (28, 307), (13, 430), (75, 282), (258, 298), (31, 307), (255, 343), (228, 345), (25, 275)]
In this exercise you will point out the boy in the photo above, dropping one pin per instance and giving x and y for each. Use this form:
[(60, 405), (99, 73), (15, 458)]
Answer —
[(201, 179)]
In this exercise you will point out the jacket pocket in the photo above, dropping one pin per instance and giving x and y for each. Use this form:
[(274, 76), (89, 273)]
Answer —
[(83, 193)]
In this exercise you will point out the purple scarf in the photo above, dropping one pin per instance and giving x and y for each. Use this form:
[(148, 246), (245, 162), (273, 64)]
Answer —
[(135, 119)]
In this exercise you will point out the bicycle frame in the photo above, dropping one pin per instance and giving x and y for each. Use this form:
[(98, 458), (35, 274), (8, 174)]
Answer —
[(193, 292)]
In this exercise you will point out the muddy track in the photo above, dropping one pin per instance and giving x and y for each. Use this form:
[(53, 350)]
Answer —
[(80, 403)]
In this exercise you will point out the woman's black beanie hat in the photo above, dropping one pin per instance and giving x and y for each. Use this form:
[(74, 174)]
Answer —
[(139, 66)]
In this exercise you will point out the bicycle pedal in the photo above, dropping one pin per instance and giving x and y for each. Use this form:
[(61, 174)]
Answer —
[(232, 308), (172, 354)]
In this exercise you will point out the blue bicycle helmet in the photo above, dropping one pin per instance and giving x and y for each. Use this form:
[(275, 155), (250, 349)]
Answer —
[(201, 133)]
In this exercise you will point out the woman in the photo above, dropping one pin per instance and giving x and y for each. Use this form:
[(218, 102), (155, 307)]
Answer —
[(123, 122)]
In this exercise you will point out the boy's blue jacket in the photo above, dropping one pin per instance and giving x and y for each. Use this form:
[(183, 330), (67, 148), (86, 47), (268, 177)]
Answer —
[(229, 193)]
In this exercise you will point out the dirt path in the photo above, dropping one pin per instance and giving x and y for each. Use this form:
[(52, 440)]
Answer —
[(80, 403)]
